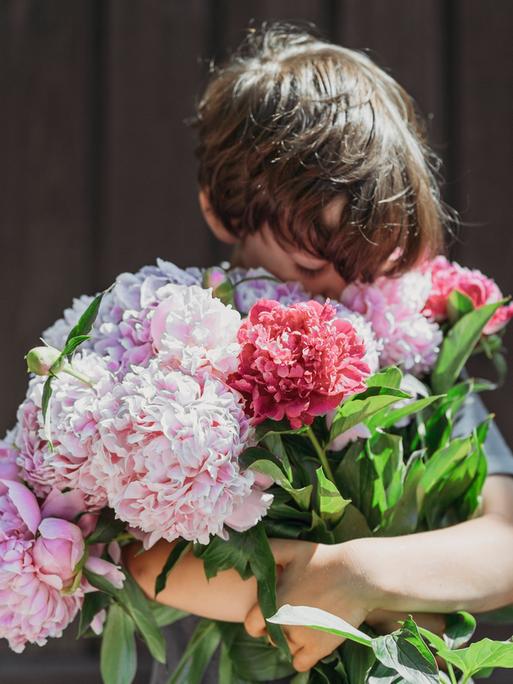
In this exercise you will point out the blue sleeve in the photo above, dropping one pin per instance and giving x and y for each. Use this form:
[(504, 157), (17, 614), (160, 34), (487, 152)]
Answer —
[(498, 453)]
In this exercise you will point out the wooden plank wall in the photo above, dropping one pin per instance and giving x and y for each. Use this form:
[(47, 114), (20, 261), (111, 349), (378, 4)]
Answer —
[(97, 173)]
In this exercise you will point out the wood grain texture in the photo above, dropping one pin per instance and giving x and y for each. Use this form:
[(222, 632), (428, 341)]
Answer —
[(482, 131), (152, 66), (45, 249)]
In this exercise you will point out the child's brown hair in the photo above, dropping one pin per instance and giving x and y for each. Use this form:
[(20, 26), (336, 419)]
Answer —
[(291, 122)]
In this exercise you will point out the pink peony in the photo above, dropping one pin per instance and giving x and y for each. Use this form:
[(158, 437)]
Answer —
[(393, 306), (8, 458), (297, 362), (32, 607), (169, 454), (449, 276), (193, 330), (74, 416), (40, 552)]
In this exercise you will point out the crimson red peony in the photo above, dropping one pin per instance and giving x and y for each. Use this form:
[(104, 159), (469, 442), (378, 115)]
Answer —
[(297, 361)]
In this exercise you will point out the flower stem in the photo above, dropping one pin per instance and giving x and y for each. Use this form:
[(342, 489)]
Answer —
[(452, 676), (321, 454), (83, 378)]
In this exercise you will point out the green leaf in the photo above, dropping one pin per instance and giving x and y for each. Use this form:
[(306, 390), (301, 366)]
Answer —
[(179, 549), (383, 675), (253, 660), (480, 655), (274, 444), (165, 615), (118, 658), (135, 604), (250, 554), (443, 461), (264, 569), (403, 518), (386, 419), (225, 670), (87, 319), (225, 292), (94, 602), (352, 526), (358, 660), (301, 496), (388, 377), (265, 466), (73, 344), (408, 654), (364, 406), (107, 528), (458, 304), (459, 628), (45, 403), (276, 427), (458, 345), (386, 452), (223, 554), (315, 618), (330, 502), (198, 653)]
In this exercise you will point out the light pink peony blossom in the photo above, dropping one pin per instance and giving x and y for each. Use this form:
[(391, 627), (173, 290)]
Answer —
[(39, 563), (74, 431), (393, 306), (449, 276), (193, 330), (297, 362), (169, 454), (8, 458), (32, 608)]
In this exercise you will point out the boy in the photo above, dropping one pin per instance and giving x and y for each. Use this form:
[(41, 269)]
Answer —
[(313, 164)]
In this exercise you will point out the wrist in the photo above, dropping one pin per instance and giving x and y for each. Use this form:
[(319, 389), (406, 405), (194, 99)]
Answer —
[(368, 577)]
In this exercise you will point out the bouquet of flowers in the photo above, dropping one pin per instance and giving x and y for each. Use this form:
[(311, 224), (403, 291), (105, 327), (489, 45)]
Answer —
[(220, 408)]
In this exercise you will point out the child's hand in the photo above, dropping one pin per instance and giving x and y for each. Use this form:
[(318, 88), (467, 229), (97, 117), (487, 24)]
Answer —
[(387, 621), (322, 576)]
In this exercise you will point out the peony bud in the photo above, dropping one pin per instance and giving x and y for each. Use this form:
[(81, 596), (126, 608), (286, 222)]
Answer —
[(41, 359)]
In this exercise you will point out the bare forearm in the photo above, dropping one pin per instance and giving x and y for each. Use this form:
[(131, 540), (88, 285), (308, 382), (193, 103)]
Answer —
[(467, 566), (224, 597)]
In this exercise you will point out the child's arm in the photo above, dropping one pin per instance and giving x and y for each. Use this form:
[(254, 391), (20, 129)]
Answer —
[(224, 597), (467, 566)]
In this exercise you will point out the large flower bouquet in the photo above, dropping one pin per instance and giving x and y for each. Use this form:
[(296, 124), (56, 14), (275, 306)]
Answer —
[(219, 408)]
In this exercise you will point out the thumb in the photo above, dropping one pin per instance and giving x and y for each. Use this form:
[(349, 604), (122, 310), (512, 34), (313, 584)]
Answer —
[(254, 623), (286, 550)]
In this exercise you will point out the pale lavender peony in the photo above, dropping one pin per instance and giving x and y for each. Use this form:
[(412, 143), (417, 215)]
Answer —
[(192, 330), (257, 283), (74, 431), (169, 455), (122, 329), (393, 306)]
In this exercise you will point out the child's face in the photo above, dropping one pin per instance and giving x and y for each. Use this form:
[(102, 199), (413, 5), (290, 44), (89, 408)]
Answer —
[(317, 275), (262, 250)]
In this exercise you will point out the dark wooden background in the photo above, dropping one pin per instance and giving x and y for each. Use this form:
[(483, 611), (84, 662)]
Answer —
[(97, 173)]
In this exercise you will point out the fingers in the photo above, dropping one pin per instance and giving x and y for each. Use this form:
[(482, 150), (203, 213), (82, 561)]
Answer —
[(254, 623)]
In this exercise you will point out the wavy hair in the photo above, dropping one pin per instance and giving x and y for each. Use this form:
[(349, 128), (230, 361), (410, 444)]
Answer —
[(290, 122)]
